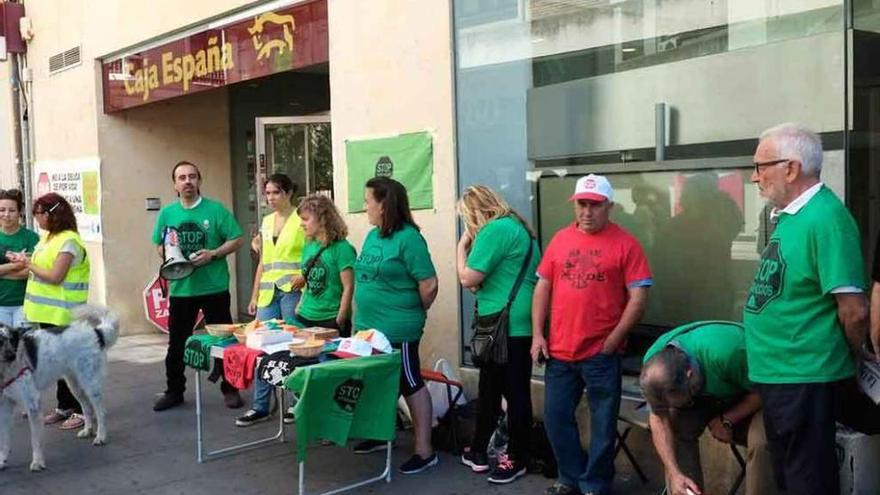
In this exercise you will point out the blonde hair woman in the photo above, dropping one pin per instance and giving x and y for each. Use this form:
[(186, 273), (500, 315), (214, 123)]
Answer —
[(327, 261), (495, 245)]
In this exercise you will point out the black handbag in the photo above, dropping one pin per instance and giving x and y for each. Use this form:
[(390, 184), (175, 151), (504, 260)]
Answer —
[(489, 340)]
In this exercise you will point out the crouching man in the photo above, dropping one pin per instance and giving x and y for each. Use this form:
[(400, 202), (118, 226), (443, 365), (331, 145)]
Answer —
[(695, 376)]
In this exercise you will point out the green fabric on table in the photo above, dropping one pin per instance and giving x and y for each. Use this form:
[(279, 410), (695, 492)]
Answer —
[(197, 352), (346, 398)]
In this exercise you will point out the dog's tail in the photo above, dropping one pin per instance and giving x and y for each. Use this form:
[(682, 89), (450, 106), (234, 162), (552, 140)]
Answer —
[(104, 321)]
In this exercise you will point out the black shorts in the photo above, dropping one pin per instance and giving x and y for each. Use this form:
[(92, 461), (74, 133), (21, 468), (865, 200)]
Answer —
[(410, 368)]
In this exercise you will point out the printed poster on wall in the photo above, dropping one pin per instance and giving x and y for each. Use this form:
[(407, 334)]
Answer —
[(79, 181), (406, 158)]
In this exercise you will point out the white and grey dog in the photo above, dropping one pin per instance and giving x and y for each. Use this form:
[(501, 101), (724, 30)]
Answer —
[(33, 360)]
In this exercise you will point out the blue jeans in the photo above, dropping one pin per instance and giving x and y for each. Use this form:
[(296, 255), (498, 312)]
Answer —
[(12, 316), (283, 306), (564, 385)]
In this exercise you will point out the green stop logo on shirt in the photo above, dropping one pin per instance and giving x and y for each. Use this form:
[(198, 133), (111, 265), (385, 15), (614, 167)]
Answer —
[(768, 279), (348, 393), (368, 263), (191, 237), (317, 281)]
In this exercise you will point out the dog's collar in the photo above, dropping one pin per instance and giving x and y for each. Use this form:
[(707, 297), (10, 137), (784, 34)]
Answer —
[(16, 377)]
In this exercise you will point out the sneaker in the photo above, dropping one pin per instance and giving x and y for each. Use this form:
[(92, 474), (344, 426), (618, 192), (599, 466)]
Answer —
[(561, 489), (251, 418), (370, 446), (288, 417), (416, 464), (74, 422), (167, 401), (506, 471), (477, 461), (57, 416), (232, 399)]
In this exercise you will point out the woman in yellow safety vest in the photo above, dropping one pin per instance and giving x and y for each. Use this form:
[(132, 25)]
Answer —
[(58, 282), (278, 281)]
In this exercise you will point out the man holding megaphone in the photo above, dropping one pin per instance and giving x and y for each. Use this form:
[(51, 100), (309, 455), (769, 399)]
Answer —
[(193, 237)]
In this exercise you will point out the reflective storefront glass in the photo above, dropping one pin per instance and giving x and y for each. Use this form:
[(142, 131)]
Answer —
[(666, 98)]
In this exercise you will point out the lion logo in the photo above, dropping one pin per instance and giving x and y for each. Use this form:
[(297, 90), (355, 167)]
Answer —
[(264, 47)]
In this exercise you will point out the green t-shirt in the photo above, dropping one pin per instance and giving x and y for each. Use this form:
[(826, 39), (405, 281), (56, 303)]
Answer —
[(498, 252), (386, 290), (792, 331), (12, 291), (720, 349), (323, 292), (206, 226)]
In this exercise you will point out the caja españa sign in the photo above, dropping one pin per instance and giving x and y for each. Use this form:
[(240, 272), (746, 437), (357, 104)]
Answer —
[(267, 43)]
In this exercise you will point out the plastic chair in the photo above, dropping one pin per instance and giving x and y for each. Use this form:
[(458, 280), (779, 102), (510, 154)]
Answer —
[(453, 397)]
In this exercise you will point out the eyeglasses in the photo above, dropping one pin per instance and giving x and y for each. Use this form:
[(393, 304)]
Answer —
[(769, 163)]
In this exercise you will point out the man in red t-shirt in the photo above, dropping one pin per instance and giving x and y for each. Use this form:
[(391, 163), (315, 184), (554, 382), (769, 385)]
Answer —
[(594, 279)]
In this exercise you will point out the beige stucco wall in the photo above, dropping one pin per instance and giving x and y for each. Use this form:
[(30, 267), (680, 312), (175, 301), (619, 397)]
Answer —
[(138, 147), (391, 72)]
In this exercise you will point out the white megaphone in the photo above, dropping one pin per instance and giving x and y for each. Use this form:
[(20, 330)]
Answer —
[(176, 266)]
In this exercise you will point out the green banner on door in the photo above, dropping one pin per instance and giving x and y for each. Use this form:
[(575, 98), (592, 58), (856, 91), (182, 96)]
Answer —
[(406, 158)]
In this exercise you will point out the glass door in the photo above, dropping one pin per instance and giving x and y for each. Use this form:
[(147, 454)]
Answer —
[(299, 147)]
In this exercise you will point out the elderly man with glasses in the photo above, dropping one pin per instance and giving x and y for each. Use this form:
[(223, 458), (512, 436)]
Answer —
[(805, 313), (695, 376)]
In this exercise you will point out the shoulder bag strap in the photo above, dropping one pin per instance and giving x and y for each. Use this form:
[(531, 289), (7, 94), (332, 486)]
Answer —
[(522, 271), (312, 262)]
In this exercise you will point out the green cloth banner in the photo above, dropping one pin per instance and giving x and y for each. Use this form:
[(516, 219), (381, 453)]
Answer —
[(346, 398), (406, 158)]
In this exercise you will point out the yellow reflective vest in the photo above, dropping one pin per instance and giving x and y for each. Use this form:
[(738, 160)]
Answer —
[(281, 259), (52, 303)]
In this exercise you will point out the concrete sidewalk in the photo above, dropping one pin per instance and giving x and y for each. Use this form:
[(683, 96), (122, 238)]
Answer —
[(155, 453)]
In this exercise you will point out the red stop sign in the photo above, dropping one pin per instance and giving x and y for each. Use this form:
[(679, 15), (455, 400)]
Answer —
[(156, 306)]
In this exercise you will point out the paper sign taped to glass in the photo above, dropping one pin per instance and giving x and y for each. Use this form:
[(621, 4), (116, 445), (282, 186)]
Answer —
[(406, 158)]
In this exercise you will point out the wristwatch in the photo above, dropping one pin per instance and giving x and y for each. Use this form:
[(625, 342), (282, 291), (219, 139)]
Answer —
[(726, 423)]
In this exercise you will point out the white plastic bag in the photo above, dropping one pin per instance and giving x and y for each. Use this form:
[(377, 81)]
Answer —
[(439, 399)]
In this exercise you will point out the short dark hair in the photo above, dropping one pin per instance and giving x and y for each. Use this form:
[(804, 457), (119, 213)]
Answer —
[(393, 196), (182, 163), (59, 212), (284, 183), (13, 195), (670, 380)]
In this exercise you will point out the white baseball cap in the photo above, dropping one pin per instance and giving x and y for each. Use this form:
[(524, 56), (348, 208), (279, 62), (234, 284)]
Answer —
[(594, 188)]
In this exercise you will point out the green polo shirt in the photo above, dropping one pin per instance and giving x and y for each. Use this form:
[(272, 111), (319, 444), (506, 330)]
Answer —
[(720, 349), (793, 334)]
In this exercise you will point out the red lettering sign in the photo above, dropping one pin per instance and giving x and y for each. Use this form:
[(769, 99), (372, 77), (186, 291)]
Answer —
[(269, 43), (156, 306)]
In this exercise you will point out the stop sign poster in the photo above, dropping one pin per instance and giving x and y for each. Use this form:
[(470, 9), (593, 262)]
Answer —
[(156, 306)]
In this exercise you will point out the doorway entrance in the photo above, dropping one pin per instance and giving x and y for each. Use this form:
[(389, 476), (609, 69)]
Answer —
[(299, 147)]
